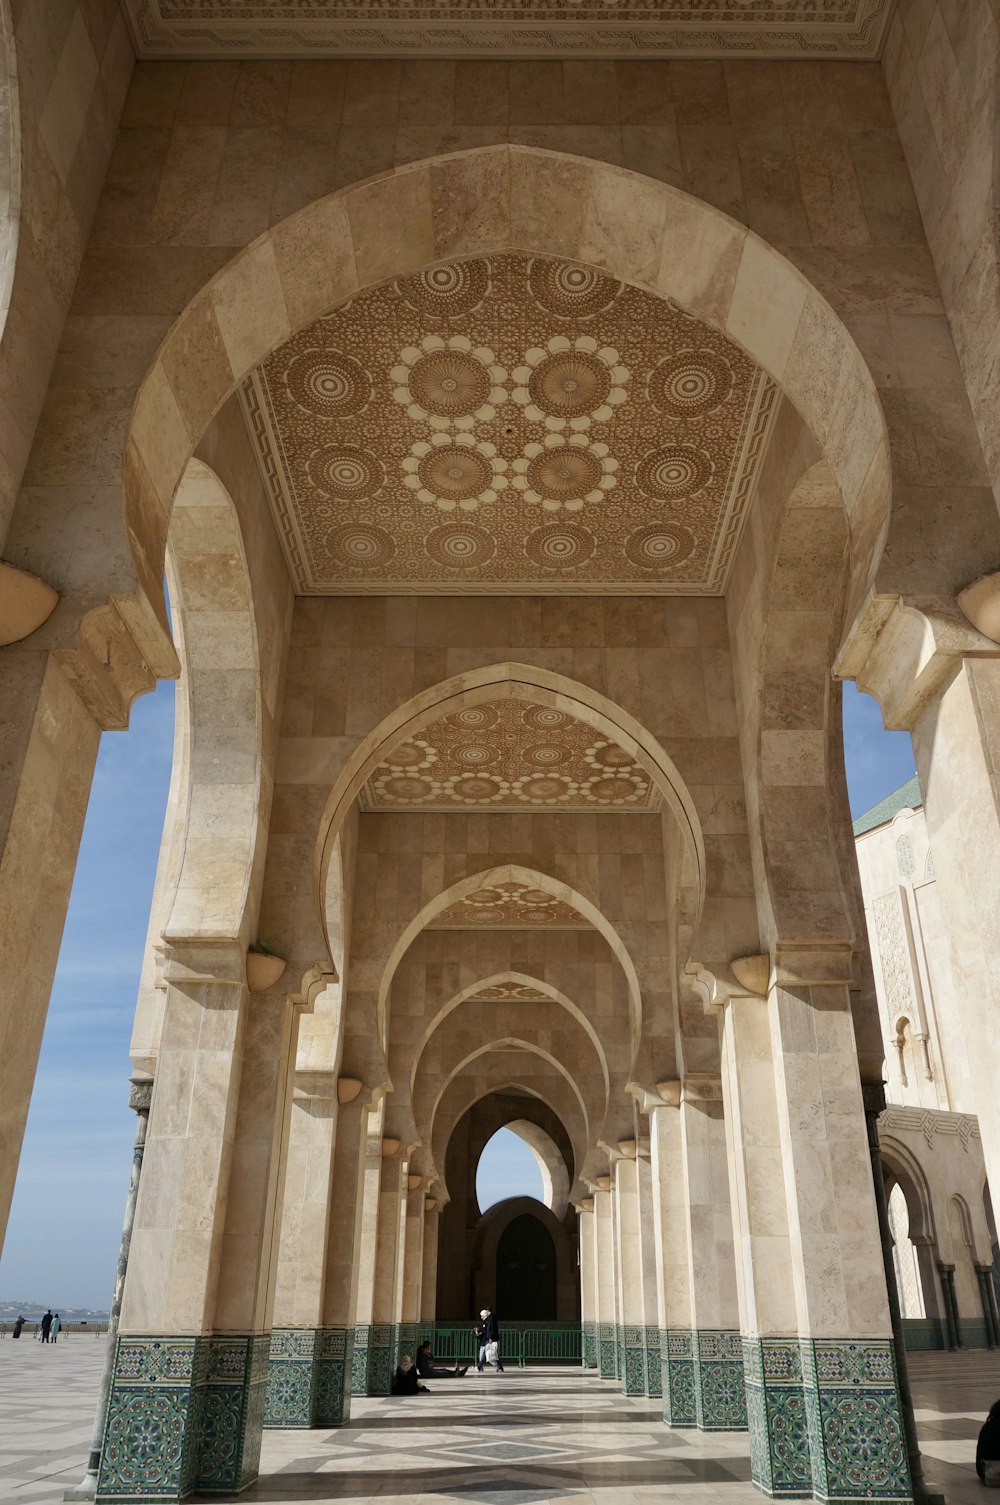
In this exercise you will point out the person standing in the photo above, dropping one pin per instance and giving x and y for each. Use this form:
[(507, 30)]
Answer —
[(46, 1325), (488, 1336), (55, 1328), (17, 1327)]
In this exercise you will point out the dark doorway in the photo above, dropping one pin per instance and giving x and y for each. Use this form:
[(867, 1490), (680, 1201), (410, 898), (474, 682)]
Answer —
[(526, 1272)]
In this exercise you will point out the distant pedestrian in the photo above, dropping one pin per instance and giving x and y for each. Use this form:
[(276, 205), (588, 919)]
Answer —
[(988, 1447), (17, 1327), (46, 1326), (54, 1330), (488, 1338)]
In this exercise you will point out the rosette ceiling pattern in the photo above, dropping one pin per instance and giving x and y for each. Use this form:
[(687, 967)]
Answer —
[(509, 424), (539, 28), (509, 906), (509, 754)]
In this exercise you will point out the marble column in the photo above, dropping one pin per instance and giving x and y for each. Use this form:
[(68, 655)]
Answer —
[(631, 1308), (428, 1279), (190, 1369), (413, 1266), (381, 1338), (776, 1415), (852, 1443), (716, 1345), (297, 1336), (50, 747), (670, 1231), (650, 1276), (340, 1284), (588, 1283), (604, 1238), (367, 1257)]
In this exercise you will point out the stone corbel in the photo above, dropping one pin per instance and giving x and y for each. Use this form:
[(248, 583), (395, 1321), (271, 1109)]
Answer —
[(670, 1094), (26, 602), (390, 1147), (902, 654), (629, 1148), (752, 972), (320, 976)]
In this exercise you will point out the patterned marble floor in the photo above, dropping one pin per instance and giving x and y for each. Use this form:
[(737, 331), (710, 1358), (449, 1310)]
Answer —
[(540, 1437)]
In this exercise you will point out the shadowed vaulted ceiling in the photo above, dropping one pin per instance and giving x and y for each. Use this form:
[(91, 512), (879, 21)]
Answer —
[(509, 424), (535, 28)]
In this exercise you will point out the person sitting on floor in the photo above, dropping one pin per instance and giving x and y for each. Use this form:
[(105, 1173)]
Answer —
[(988, 1446), (427, 1369), (405, 1381)]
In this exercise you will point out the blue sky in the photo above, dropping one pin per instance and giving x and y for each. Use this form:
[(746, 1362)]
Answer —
[(62, 1242)]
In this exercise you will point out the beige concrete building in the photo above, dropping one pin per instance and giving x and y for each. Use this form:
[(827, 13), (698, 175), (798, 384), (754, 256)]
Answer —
[(536, 414), (940, 1209)]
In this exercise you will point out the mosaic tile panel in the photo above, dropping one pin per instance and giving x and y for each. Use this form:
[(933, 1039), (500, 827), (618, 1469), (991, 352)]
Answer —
[(780, 1463), (855, 1430), (307, 1373), (677, 1377), (607, 1350), (333, 1371), (719, 1390), (359, 1359), (632, 1349), (590, 1341), (184, 1414), (149, 1450), (653, 1377), (383, 1356)]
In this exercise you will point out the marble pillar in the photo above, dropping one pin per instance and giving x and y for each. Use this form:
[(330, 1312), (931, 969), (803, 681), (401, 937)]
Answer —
[(670, 1231), (188, 1391), (632, 1312), (650, 1274), (367, 1257), (604, 1238), (588, 1283), (716, 1346), (428, 1281), (297, 1336)]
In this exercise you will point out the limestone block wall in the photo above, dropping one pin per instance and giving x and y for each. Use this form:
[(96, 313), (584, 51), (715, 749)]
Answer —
[(942, 67)]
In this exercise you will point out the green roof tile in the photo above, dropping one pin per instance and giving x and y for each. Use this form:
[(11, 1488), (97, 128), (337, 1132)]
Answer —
[(906, 797)]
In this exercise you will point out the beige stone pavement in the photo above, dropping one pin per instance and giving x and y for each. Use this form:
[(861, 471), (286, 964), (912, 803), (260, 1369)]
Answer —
[(547, 1434)]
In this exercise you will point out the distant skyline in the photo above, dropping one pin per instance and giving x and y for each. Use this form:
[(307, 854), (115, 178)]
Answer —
[(62, 1242)]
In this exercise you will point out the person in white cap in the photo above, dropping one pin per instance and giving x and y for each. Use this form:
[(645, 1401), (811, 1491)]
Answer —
[(488, 1335)]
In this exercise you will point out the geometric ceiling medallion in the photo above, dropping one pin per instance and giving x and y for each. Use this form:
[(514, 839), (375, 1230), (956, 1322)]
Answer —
[(509, 755), (509, 424), (509, 906)]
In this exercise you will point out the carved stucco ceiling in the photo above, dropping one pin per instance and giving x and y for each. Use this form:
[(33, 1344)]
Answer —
[(509, 755), (509, 906), (509, 424), (508, 28)]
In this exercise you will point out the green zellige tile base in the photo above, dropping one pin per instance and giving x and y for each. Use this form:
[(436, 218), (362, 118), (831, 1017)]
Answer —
[(306, 1377), (632, 1359), (780, 1462), (677, 1376), (184, 1414), (719, 1391), (853, 1420), (590, 1345), (652, 1361), (607, 1350)]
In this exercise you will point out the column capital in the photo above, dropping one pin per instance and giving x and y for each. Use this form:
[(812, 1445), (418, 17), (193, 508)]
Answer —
[(902, 653), (140, 1093)]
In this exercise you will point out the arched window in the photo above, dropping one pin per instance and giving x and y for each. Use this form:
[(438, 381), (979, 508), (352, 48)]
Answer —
[(904, 1255)]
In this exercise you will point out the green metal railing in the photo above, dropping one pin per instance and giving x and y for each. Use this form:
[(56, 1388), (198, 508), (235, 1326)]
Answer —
[(521, 1343)]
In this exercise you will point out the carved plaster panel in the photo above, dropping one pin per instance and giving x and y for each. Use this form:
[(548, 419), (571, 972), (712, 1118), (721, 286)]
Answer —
[(509, 755), (510, 424), (509, 992), (509, 906), (508, 28)]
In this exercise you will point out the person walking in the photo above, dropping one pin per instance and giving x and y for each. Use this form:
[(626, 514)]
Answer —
[(428, 1370), (46, 1326), (17, 1327), (55, 1328), (988, 1446), (488, 1336)]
